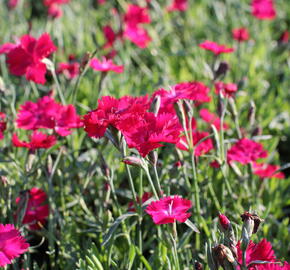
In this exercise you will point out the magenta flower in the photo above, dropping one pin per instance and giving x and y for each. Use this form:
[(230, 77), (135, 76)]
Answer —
[(226, 89), (37, 210), (240, 34), (13, 3), (37, 140), (105, 65), (246, 151), (69, 69), (263, 9), (215, 47), (212, 119), (169, 209), (224, 222), (110, 36), (3, 124), (267, 171), (25, 57), (12, 244), (138, 36), (178, 5)]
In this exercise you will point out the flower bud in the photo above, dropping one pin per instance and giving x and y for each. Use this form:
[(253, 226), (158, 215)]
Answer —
[(224, 257), (155, 105), (252, 113), (251, 222), (224, 222), (153, 157), (245, 239), (221, 70), (198, 266), (134, 161)]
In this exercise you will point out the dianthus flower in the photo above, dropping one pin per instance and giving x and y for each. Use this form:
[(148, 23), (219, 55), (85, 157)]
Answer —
[(70, 69), (25, 57), (37, 210), (13, 3), (246, 151), (105, 65), (263, 9), (212, 119), (145, 197), (169, 209), (12, 244), (138, 36), (267, 171), (110, 36), (202, 148), (178, 5), (274, 266), (240, 34), (109, 112), (47, 113), (226, 89), (224, 222), (215, 47), (147, 132), (196, 91), (256, 252), (37, 140), (2, 124)]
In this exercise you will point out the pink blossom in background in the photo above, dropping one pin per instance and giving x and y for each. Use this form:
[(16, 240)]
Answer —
[(202, 148), (263, 9), (178, 5), (138, 36), (196, 91), (224, 221), (101, 2), (246, 151), (37, 210), (37, 140), (13, 3), (105, 65), (284, 38), (226, 89), (145, 197), (69, 69), (25, 58), (212, 119), (3, 124), (110, 36), (55, 11), (47, 113), (240, 34), (267, 171), (12, 244), (214, 47), (169, 209)]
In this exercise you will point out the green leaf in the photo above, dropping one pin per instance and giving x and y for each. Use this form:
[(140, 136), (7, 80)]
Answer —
[(191, 225)]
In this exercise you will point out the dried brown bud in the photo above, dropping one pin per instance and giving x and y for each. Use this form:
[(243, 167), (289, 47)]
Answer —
[(198, 265), (223, 256), (251, 222), (221, 70)]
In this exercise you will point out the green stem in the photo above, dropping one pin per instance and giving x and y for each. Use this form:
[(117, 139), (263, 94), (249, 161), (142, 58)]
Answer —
[(58, 88)]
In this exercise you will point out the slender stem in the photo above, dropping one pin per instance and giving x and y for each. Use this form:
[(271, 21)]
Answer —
[(157, 180), (58, 88), (150, 181)]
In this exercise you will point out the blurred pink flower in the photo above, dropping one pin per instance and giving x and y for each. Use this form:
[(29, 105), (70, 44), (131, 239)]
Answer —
[(37, 210), (215, 47), (69, 69), (138, 36), (178, 5), (226, 89), (240, 34), (13, 3), (246, 151), (3, 124), (169, 209), (212, 119), (12, 244), (105, 65), (267, 171), (109, 35), (263, 9)]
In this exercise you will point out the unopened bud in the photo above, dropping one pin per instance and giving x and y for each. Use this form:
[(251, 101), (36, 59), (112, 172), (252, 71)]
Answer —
[(49, 164), (245, 239), (30, 160), (221, 70), (198, 266), (84, 61), (251, 222), (188, 106), (153, 158), (223, 256), (224, 222), (104, 166), (155, 105), (134, 161), (252, 113), (257, 131)]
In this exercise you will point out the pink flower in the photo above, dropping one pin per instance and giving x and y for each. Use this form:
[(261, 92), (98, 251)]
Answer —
[(226, 89), (169, 209), (37, 140), (58, 2), (215, 47), (178, 5), (274, 266), (138, 36), (263, 9), (284, 38), (257, 252), (55, 11), (109, 112), (25, 57), (267, 171), (240, 34), (105, 65), (37, 210), (7, 47), (246, 151), (195, 91), (224, 222), (13, 4), (212, 119), (136, 15), (202, 148), (12, 244), (3, 124), (215, 164), (70, 69), (109, 35), (147, 132), (46, 113)]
